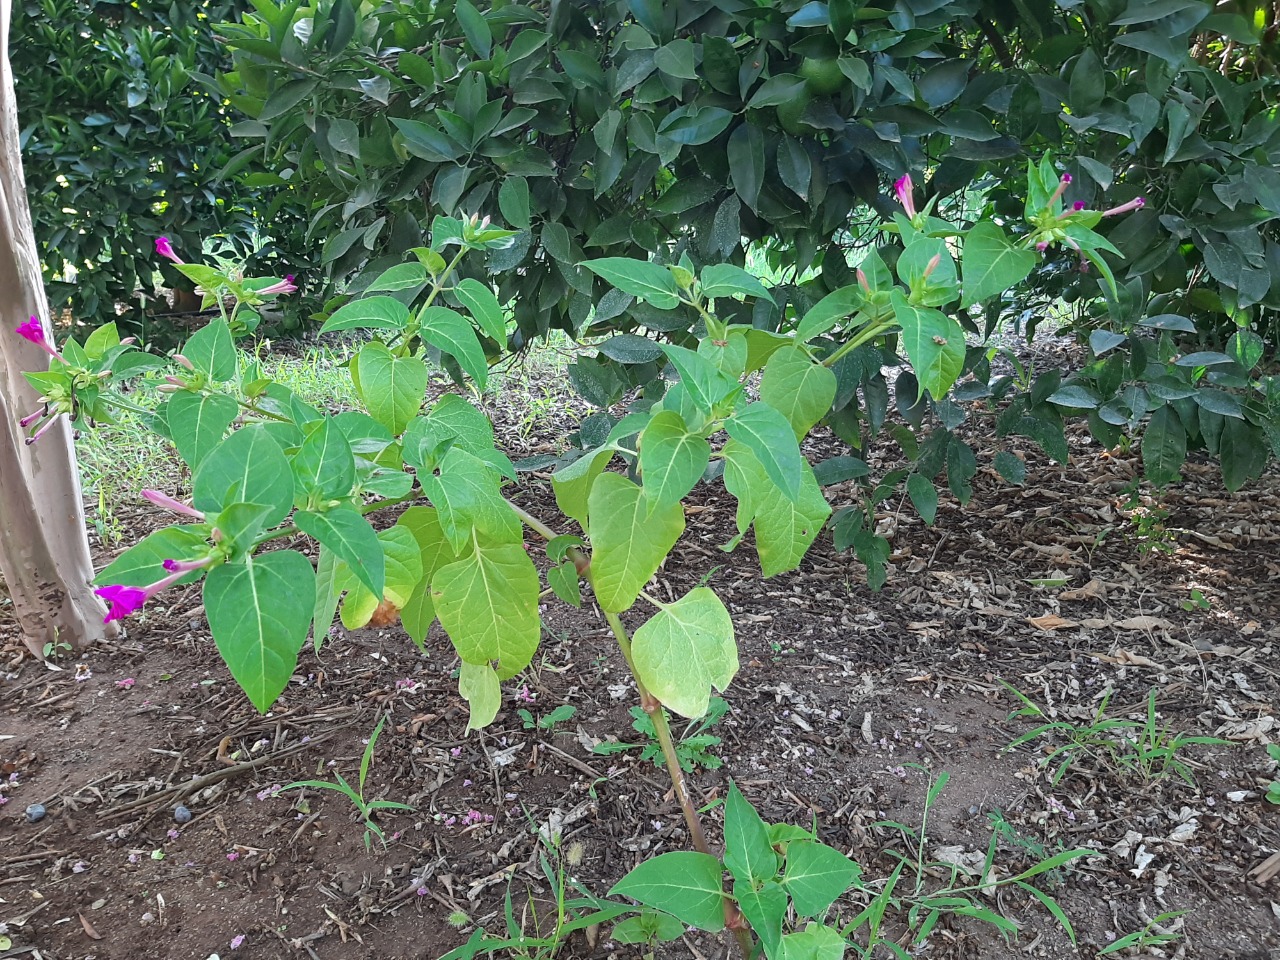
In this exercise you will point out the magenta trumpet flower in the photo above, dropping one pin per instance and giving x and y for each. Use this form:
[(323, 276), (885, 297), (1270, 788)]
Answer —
[(42, 431), (165, 249), (1062, 188), (123, 601), (33, 331), (903, 190), (168, 503)]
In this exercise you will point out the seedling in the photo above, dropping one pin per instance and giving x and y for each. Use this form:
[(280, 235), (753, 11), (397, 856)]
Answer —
[(1273, 791), (560, 714), (1149, 936), (1197, 602), (1150, 751), (693, 747), (365, 808)]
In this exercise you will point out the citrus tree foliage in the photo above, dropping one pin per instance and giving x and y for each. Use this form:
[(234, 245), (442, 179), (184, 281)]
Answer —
[(119, 143), (640, 130)]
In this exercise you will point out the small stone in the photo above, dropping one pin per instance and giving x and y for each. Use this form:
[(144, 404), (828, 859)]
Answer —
[(182, 814), (35, 813)]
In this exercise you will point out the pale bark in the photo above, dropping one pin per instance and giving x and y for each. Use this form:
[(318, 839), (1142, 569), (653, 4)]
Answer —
[(44, 552)]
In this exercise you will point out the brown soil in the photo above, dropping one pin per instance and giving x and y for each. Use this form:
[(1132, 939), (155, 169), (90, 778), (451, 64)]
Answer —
[(847, 704)]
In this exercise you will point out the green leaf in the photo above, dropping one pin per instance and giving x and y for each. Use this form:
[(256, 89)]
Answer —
[(402, 571), (467, 493), (684, 650), (212, 351), (324, 465), (814, 942), (816, 875), (143, 563), (801, 390), (572, 484), (247, 467), (1242, 449), (726, 280), (628, 541), (685, 884), (403, 276), (795, 166), (327, 594), (784, 529), (830, 310), (484, 307), (478, 684), (563, 579), (369, 313), (630, 348), (1011, 467), (488, 604), (706, 385), (934, 286), (1246, 348), (924, 497), (392, 388), (748, 852), (435, 551), (259, 613), (747, 162), (475, 27), (765, 908), (1164, 446), (992, 263), (350, 538), (651, 282), (513, 201), (672, 460), (450, 333), (768, 435), (934, 344), (198, 422)]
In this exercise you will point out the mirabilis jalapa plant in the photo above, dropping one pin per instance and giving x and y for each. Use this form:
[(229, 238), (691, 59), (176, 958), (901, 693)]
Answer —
[(267, 466)]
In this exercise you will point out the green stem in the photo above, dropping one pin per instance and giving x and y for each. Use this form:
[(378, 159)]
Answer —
[(291, 530), (253, 408), (878, 326), (661, 729)]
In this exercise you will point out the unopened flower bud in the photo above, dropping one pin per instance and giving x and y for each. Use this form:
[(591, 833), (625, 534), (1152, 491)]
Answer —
[(183, 361)]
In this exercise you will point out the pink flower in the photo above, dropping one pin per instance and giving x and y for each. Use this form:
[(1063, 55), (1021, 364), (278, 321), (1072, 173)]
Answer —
[(524, 696), (163, 500), (31, 418), (123, 601), (1042, 246), (237, 941), (233, 856), (1078, 206), (126, 683), (165, 249), (1137, 203), (902, 189), (33, 330), (280, 286)]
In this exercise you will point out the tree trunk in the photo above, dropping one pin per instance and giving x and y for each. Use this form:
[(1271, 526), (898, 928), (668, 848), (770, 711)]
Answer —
[(44, 553)]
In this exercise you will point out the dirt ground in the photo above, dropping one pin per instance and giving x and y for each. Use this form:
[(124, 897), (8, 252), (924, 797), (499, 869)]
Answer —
[(848, 703)]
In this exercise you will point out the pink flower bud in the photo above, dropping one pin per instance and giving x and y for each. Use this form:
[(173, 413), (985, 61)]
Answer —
[(1078, 206), (862, 280), (31, 418), (1066, 178), (183, 361), (903, 190), (42, 431), (933, 265), (1137, 203), (186, 566), (280, 286), (1042, 246), (168, 503)]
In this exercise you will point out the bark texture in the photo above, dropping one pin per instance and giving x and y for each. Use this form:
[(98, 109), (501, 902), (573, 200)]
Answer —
[(44, 552)]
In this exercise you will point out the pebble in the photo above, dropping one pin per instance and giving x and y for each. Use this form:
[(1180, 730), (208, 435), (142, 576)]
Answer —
[(182, 815), (35, 813)]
